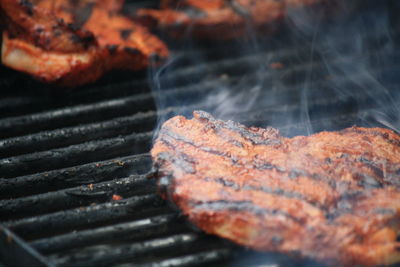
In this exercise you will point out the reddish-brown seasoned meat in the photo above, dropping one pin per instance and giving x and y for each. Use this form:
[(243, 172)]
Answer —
[(331, 196), (73, 42), (219, 19)]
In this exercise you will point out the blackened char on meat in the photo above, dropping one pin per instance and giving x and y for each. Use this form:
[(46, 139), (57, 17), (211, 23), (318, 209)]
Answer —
[(331, 196)]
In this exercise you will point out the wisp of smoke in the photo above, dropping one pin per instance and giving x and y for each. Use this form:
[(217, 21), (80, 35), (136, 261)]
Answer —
[(330, 63)]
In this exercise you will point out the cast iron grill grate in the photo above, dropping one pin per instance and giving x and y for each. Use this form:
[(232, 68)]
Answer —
[(65, 153)]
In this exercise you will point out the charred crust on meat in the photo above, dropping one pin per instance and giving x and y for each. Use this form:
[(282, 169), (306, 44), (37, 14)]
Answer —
[(125, 33), (370, 164), (367, 181), (182, 161), (224, 182), (384, 136), (57, 33), (112, 48), (60, 21), (29, 7), (267, 190), (73, 27), (131, 50), (236, 143), (295, 173), (85, 39), (268, 166), (75, 38), (38, 29), (384, 211)]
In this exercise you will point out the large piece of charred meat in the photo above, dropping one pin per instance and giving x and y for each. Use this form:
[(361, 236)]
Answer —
[(332, 196), (73, 42), (219, 19)]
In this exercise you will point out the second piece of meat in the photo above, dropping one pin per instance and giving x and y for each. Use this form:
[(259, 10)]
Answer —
[(219, 19), (71, 43)]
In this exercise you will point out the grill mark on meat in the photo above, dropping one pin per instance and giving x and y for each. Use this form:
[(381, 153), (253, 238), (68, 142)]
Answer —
[(112, 49), (377, 171), (29, 7), (384, 211), (264, 189), (182, 162), (383, 172), (185, 163), (125, 33), (294, 173), (248, 206), (180, 138), (385, 136), (131, 50), (367, 181)]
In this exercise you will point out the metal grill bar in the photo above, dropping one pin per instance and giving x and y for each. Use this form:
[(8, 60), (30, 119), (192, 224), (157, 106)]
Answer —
[(153, 226), (106, 255), (195, 259), (78, 134), (74, 197), (76, 154), (75, 115), (79, 218), (77, 175)]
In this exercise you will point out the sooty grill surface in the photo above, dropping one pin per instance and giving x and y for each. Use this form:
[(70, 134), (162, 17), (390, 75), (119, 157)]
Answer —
[(64, 153)]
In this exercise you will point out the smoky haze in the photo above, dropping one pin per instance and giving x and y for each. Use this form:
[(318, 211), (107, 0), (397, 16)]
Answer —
[(326, 69)]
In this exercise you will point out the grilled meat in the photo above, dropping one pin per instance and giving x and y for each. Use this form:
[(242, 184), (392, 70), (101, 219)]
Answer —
[(73, 42), (218, 19), (331, 196)]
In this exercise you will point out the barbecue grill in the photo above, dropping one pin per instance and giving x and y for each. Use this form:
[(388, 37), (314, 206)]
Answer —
[(64, 153)]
